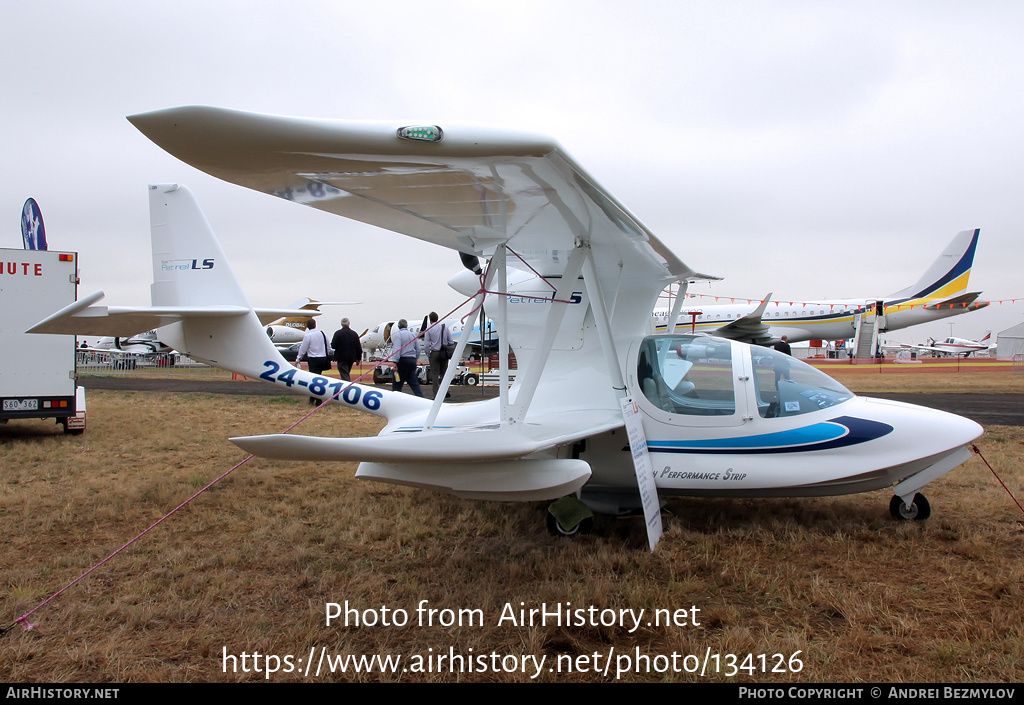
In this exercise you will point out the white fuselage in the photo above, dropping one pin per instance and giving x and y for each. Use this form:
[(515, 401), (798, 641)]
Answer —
[(803, 320)]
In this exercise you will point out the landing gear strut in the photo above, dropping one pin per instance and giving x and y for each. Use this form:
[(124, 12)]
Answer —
[(919, 509)]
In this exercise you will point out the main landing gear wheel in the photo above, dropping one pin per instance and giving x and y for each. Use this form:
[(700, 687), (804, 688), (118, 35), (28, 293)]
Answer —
[(584, 527), (569, 516), (919, 509)]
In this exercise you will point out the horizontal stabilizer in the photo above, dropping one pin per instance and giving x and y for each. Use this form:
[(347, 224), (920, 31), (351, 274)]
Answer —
[(503, 481), (82, 318), (962, 301)]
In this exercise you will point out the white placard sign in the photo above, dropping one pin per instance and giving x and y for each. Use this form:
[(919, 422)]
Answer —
[(642, 465)]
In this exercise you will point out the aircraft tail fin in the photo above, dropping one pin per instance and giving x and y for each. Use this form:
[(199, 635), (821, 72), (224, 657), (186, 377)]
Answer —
[(189, 266), (202, 312), (949, 274), (191, 270)]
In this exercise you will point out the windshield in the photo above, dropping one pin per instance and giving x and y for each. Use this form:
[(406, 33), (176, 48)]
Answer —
[(693, 375), (785, 386)]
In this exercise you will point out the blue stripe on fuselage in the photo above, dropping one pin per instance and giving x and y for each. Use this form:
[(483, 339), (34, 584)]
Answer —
[(836, 433)]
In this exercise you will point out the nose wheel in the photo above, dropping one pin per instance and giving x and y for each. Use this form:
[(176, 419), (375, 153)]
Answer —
[(918, 510)]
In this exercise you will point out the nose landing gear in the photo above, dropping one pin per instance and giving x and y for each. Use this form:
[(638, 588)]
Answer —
[(918, 510)]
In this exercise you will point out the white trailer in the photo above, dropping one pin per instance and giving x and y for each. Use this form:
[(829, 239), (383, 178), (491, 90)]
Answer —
[(37, 372)]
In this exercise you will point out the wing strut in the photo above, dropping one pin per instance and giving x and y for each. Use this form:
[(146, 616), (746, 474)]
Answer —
[(499, 261), (476, 314), (532, 378), (677, 307), (604, 327), (633, 423)]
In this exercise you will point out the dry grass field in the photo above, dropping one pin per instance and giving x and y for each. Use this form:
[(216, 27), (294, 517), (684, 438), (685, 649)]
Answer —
[(889, 379), (250, 566)]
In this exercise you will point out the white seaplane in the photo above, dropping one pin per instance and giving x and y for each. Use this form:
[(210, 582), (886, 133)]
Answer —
[(576, 276)]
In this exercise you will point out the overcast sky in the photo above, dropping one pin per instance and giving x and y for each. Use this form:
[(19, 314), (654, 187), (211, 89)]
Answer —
[(812, 149)]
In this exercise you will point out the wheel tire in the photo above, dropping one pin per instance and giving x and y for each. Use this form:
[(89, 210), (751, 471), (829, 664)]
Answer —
[(919, 509), (584, 527), (471, 380)]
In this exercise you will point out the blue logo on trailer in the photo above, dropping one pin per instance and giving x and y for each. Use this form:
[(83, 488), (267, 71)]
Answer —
[(33, 234)]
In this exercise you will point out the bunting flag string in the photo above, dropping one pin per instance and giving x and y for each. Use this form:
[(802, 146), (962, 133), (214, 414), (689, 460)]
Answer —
[(832, 306)]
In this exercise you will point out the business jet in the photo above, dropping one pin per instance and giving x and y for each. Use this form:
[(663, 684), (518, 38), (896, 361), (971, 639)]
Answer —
[(955, 346), (602, 414), (941, 292), (288, 330), (146, 343), (377, 340)]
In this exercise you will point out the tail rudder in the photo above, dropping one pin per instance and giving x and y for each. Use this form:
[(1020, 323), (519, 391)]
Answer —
[(949, 274), (189, 266), (217, 325)]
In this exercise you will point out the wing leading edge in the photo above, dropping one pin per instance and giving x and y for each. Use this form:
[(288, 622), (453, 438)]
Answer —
[(473, 190)]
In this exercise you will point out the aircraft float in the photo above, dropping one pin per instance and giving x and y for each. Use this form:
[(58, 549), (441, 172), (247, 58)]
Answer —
[(601, 413), (941, 292)]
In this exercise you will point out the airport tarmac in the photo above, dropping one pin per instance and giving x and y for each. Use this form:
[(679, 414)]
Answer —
[(986, 409)]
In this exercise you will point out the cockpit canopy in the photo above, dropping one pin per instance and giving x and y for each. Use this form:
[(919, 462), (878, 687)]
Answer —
[(695, 375)]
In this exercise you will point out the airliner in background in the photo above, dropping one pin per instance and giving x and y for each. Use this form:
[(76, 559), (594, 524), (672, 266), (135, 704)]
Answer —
[(941, 292)]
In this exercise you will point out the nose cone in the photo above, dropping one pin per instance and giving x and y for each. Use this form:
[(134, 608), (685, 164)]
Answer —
[(920, 432)]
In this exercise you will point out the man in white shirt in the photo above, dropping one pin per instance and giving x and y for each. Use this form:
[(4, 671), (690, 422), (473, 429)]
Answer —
[(315, 350), (405, 354), (437, 339)]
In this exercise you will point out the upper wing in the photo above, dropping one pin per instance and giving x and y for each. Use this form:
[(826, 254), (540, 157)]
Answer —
[(470, 191)]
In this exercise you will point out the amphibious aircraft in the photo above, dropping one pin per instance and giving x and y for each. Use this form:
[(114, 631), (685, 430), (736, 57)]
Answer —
[(571, 278), (939, 293)]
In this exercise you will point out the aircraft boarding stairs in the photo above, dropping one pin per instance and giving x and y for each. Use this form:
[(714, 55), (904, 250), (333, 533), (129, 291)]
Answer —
[(866, 327)]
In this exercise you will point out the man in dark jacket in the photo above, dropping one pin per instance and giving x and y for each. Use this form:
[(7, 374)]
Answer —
[(347, 349)]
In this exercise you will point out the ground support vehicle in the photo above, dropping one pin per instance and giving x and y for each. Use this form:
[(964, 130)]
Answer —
[(38, 373)]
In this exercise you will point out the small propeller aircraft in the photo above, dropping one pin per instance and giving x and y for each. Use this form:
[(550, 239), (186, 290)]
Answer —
[(571, 279), (955, 346)]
